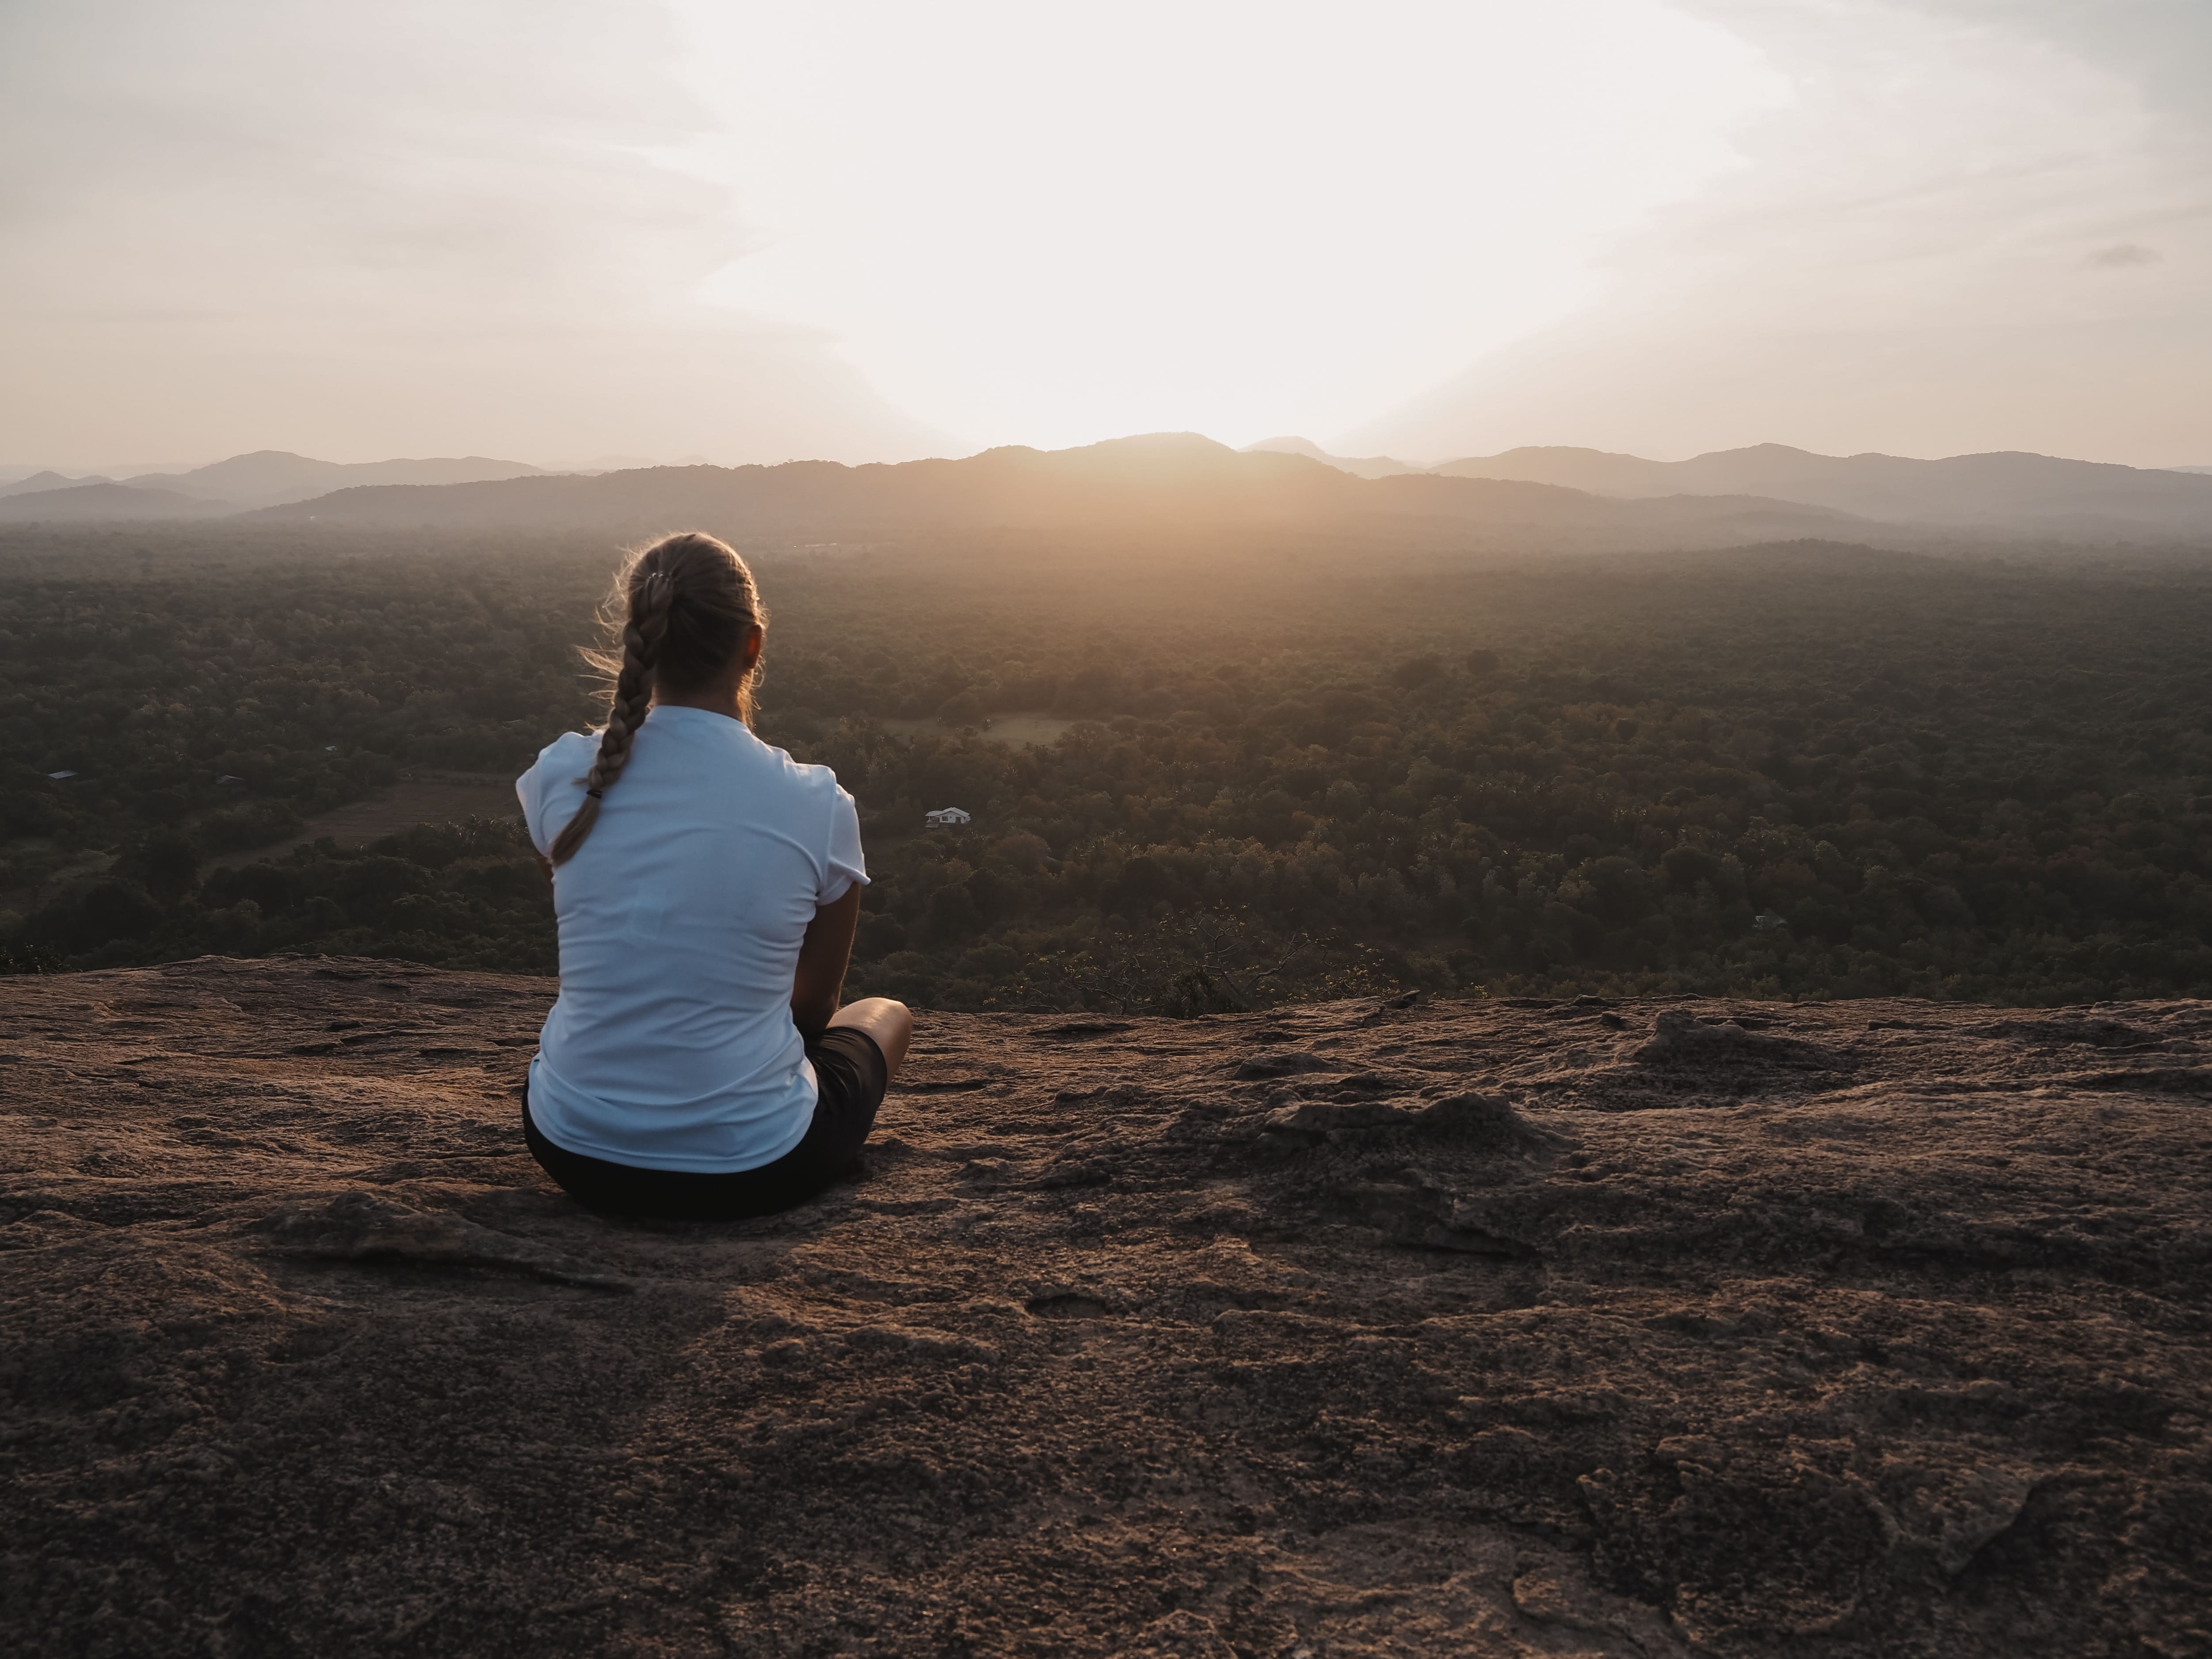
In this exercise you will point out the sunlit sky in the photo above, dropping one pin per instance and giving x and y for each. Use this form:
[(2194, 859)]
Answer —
[(564, 233)]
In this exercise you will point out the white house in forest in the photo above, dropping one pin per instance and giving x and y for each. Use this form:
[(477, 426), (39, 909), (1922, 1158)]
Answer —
[(945, 818)]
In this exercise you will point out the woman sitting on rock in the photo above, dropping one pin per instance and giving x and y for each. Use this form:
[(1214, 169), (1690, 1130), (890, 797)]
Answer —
[(697, 1065)]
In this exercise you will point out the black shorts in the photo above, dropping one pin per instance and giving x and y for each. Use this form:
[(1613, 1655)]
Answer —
[(850, 1070)]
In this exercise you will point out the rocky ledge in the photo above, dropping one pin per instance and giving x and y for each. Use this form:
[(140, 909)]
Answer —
[(1863, 1329)]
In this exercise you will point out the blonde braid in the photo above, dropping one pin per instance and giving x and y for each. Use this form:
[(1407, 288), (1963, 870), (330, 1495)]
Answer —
[(641, 638)]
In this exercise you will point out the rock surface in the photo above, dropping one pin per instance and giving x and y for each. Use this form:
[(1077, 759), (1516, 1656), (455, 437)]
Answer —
[(1869, 1328)]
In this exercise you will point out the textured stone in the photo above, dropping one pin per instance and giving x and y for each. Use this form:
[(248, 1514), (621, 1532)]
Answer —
[(1596, 1328)]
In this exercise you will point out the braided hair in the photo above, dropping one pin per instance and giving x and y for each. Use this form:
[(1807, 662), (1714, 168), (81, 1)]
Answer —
[(681, 610)]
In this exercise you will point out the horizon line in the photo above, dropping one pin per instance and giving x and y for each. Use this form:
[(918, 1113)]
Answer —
[(602, 465)]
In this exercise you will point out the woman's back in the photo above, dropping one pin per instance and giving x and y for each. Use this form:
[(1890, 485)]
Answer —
[(681, 916)]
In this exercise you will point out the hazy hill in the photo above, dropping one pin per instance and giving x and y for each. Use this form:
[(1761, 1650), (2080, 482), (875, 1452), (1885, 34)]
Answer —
[(96, 502), (1163, 478), (268, 477), (50, 479), (1362, 466), (2008, 489)]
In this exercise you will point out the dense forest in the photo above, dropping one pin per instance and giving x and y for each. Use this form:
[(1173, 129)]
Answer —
[(1285, 769)]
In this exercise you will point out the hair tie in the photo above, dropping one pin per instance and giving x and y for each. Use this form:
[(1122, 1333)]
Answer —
[(597, 794)]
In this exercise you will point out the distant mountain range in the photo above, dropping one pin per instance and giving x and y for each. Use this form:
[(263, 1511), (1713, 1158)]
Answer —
[(1368, 467), (46, 480), (267, 477), (1166, 478), (2008, 488), (105, 502), (1767, 492)]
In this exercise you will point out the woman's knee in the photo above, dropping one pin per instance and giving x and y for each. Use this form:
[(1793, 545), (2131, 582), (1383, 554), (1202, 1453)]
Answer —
[(890, 1024)]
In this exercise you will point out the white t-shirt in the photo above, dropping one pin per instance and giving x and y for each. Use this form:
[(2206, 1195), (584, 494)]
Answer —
[(671, 1046)]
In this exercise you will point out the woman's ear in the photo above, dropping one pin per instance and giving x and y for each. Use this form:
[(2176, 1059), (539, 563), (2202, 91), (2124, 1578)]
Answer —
[(756, 636)]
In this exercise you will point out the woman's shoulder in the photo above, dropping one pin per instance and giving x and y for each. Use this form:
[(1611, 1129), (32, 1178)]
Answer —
[(805, 778), (563, 761), (566, 750)]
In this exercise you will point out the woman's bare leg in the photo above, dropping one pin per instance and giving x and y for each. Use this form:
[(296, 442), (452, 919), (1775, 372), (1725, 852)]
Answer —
[(887, 1022)]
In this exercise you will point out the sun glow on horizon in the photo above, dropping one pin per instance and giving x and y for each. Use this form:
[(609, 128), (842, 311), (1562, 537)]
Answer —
[(1036, 225), (857, 231)]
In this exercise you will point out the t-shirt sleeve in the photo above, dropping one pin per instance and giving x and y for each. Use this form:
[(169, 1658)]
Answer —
[(561, 761), (524, 793), (842, 866)]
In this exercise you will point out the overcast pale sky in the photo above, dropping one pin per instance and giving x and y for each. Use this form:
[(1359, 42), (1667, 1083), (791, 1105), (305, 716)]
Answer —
[(557, 230)]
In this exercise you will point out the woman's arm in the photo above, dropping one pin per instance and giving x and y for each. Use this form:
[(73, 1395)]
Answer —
[(823, 956)]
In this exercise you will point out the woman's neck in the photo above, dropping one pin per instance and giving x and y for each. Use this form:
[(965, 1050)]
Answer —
[(725, 695)]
